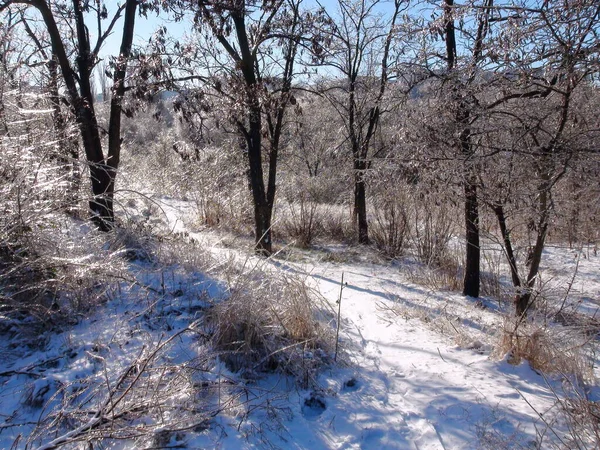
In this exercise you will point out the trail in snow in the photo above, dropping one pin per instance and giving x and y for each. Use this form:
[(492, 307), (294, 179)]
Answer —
[(407, 385), (425, 391)]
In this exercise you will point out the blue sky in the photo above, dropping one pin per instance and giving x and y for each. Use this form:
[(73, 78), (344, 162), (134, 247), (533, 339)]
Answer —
[(146, 26)]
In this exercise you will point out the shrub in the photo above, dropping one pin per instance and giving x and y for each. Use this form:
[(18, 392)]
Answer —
[(433, 228), (390, 228), (52, 267), (302, 221)]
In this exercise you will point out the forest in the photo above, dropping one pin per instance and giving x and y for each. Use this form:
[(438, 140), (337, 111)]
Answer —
[(299, 224)]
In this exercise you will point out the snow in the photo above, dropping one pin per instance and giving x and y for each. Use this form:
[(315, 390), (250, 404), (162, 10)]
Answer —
[(412, 388), (416, 368)]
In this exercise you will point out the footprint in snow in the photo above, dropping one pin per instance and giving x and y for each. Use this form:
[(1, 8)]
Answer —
[(351, 385), (313, 406)]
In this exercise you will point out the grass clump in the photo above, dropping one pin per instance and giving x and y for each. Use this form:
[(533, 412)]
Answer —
[(271, 321), (550, 349)]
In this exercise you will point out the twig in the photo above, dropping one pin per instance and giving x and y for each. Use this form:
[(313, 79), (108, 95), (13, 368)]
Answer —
[(107, 411), (570, 284), (541, 416), (440, 353), (282, 349), (27, 369), (337, 331)]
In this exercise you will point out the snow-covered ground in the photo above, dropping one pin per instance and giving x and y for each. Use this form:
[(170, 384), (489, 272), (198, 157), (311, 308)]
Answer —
[(417, 368)]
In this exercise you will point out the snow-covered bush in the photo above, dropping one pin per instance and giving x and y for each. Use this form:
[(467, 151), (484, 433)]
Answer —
[(300, 214), (213, 176), (432, 230)]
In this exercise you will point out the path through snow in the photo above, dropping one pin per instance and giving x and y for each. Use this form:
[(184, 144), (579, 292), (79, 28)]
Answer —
[(406, 385), (411, 386)]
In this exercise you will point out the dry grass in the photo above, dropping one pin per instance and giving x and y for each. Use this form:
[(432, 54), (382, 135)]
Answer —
[(50, 279), (338, 225), (227, 210), (553, 350), (492, 266), (51, 269), (573, 423), (583, 421), (431, 233), (446, 275), (266, 318), (271, 321)]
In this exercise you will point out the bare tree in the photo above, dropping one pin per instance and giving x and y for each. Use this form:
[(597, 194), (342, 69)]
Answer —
[(256, 78), (463, 72), (360, 52), (564, 50), (515, 112), (314, 143), (77, 76)]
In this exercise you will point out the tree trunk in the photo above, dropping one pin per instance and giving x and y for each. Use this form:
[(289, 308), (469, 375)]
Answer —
[(102, 175), (473, 257), (360, 202), (101, 203), (523, 301), (262, 209), (262, 220), (104, 196), (471, 281), (510, 255), (359, 165)]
